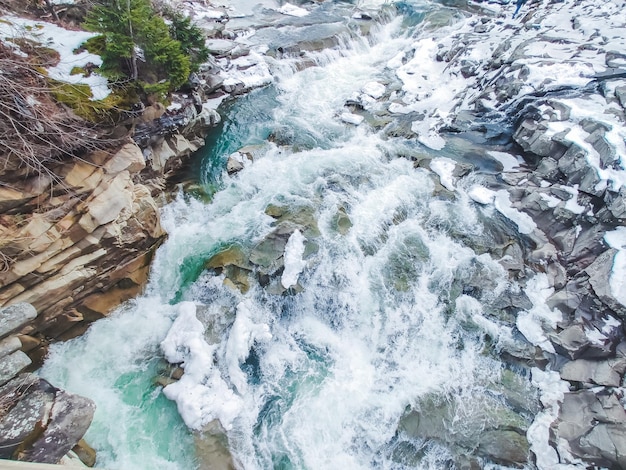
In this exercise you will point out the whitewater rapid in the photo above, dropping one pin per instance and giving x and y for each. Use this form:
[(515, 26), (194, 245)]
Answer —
[(376, 317)]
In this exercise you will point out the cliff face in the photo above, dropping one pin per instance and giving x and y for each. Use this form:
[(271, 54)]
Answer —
[(76, 244)]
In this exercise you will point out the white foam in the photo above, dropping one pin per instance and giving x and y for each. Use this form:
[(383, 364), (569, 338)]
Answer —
[(243, 334), (201, 395)]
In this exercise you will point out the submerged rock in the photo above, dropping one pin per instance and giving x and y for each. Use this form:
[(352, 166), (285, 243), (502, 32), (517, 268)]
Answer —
[(483, 426)]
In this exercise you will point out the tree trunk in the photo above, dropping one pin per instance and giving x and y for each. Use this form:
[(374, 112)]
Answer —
[(134, 73)]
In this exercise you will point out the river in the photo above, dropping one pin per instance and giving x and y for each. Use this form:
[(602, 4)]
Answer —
[(382, 307)]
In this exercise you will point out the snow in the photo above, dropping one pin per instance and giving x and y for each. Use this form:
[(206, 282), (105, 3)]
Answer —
[(610, 324), (350, 118), (617, 280), (444, 167), (552, 390), (251, 71), (508, 161), (595, 336), (533, 323), (201, 394), (64, 42), (374, 89), (481, 195), (294, 264), (524, 222), (572, 204), (552, 201), (293, 10)]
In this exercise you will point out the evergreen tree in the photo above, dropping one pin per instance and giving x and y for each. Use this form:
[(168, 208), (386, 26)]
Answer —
[(191, 39), (137, 44)]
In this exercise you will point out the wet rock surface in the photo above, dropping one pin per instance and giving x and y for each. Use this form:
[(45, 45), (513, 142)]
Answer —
[(38, 422)]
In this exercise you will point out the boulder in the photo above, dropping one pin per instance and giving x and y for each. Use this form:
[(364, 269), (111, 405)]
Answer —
[(9, 345), (616, 203), (608, 373), (15, 316), (594, 427), (70, 417), (13, 364), (599, 274), (129, 157), (39, 422), (212, 448), (489, 429)]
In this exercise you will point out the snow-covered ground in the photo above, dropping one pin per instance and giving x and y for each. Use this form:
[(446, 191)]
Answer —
[(66, 43)]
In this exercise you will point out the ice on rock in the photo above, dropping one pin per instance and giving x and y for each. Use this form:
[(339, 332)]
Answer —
[(444, 167), (294, 264)]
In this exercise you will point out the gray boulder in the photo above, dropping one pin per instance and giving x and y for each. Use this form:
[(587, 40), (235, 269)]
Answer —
[(608, 373), (13, 364), (594, 426), (15, 316), (599, 274), (39, 422)]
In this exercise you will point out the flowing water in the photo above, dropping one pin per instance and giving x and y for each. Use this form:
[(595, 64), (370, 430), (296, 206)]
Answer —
[(385, 314)]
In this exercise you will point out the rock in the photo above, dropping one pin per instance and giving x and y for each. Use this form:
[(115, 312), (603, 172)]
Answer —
[(85, 453), (212, 448), (532, 137), (620, 94), (616, 203), (70, 417), (608, 373), (594, 427), (599, 273), (15, 316), (588, 246), (490, 429), (569, 298), (237, 160), (27, 403), (341, 221), (268, 253), (152, 112), (129, 157), (548, 169), (9, 345), (13, 364), (107, 205), (39, 422), (571, 342), (574, 164), (504, 447)]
